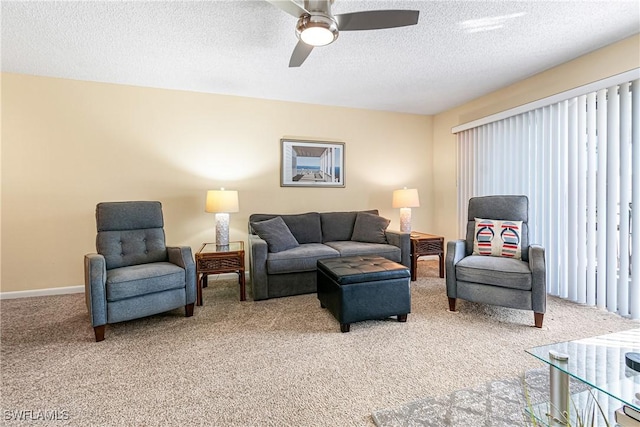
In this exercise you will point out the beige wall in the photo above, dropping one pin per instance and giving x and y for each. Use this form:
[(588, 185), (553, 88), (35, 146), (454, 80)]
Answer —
[(67, 145), (611, 60)]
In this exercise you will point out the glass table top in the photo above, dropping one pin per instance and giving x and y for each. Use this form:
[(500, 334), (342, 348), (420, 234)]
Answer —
[(600, 363), (212, 248)]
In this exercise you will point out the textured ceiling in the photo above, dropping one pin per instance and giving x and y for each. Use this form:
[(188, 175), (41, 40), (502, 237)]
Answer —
[(458, 51)]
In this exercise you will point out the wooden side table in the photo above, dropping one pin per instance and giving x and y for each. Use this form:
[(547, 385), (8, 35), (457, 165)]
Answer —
[(423, 244), (212, 259)]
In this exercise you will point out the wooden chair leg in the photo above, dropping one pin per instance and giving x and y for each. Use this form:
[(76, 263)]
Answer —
[(538, 317), (345, 327), (452, 304), (99, 332), (189, 310), (402, 317)]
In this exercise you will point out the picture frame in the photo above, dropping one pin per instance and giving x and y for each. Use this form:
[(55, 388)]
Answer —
[(305, 163)]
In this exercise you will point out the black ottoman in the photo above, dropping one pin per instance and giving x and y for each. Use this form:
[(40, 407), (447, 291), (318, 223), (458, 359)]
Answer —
[(361, 288)]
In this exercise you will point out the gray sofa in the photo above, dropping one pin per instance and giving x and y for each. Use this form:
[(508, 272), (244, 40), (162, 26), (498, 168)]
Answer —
[(284, 249)]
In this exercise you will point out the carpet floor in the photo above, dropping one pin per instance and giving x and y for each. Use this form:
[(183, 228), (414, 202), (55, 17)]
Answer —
[(280, 362)]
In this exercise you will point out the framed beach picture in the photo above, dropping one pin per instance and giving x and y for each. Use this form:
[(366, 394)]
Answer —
[(311, 163)]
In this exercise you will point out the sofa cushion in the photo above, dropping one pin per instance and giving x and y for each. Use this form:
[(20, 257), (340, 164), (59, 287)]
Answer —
[(143, 279), (370, 228), (497, 238), (337, 225), (302, 258), (514, 208), (122, 248), (496, 271), (275, 232), (351, 248), (119, 216), (305, 227)]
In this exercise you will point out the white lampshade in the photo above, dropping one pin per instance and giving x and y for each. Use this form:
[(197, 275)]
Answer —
[(406, 198), (222, 201)]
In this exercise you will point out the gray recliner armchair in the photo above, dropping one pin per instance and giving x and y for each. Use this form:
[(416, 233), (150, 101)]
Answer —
[(498, 280), (134, 274)]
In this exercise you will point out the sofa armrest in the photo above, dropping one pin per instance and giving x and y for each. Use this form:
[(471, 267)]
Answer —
[(95, 288), (258, 251), (182, 257), (538, 278), (456, 250), (403, 241)]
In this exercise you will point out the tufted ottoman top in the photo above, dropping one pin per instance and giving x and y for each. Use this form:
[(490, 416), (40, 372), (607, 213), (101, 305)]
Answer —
[(358, 269)]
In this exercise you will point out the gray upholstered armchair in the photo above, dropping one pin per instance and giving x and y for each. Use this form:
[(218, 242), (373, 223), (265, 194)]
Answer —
[(134, 274), (498, 280)]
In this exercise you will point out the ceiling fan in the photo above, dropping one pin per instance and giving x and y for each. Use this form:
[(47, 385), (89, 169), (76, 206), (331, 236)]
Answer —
[(317, 26)]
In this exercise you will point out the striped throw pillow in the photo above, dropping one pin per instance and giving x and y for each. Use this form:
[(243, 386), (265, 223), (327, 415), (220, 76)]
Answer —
[(494, 237)]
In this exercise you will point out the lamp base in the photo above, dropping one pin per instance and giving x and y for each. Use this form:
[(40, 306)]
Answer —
[(222, 229), (405, 220)]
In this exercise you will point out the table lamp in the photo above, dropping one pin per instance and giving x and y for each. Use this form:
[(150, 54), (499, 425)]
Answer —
[(405, 199), (222, 202)]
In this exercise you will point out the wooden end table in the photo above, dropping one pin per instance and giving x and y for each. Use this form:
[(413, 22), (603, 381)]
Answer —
[(212, 259), (423, 244)]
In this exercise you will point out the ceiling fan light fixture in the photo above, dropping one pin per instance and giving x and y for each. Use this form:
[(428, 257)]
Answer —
[(317, 36), (317, 30)]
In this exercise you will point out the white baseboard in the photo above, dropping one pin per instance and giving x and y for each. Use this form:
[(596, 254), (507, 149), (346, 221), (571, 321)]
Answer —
[(80, 288), (42, 292)]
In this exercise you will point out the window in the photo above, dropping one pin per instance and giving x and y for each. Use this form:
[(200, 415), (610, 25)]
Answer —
[(578, 161)]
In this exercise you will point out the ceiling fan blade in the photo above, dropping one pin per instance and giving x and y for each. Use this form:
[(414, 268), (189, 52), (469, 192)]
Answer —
[(289, 6), (376, 19), (300, 53)]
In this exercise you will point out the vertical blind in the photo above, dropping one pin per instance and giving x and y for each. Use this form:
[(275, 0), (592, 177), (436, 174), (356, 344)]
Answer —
[(578, 161)]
